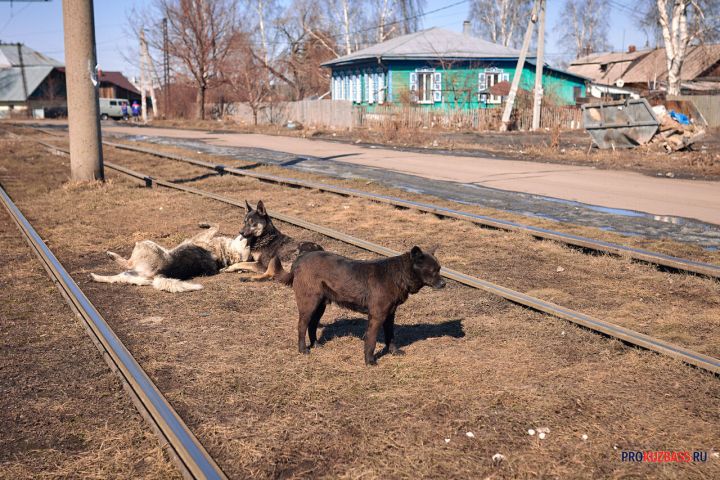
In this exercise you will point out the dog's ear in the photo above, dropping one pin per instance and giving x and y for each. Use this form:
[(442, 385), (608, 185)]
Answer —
[(261, 208), (248, 207), (432, 249), (416, 253)]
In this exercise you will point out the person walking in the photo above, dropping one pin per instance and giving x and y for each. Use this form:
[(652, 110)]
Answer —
[(124, 109), (135, 110)]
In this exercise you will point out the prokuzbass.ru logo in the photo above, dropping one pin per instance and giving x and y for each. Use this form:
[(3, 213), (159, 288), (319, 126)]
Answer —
[(663, 456)]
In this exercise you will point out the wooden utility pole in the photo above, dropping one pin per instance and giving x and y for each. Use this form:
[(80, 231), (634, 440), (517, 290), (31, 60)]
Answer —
[(537, 103), (166, 69), (518, 69), (86, 159), (28, 111)]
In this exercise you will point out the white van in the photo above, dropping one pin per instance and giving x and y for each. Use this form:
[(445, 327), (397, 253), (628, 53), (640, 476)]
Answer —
[(112, 107)]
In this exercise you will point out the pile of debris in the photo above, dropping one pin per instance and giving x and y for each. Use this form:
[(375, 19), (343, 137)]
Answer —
[(676, 132)]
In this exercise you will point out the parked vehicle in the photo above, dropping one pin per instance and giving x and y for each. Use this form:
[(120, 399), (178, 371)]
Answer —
[(112, 108)]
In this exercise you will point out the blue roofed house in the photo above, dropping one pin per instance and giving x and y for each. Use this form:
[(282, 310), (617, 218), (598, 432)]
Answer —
[(437, 68)]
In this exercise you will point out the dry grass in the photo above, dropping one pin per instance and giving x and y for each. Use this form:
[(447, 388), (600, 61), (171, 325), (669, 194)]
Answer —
[(63, 414), (225, 356)]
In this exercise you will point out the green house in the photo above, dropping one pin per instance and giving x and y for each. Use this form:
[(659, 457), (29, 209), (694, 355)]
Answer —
[(438, 68)]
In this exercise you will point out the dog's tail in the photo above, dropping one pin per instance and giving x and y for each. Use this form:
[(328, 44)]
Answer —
[(129, 277), (276, 270), (173, 285)]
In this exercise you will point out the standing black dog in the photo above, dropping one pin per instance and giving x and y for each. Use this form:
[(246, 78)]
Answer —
[(266, 243), (375, 287)]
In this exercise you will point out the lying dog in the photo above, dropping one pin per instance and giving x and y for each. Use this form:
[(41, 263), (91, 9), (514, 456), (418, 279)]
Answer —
[(375, 287), (266, 242), (203, 254)]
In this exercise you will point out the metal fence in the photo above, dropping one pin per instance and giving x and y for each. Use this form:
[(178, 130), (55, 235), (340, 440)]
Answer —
[(345, 115), (707, 105)]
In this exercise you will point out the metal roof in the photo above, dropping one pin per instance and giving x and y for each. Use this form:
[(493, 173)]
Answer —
[(9, 57), (11, 83), (433, 43)]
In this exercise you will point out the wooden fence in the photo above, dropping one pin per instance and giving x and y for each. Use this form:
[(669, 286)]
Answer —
[(707, 105), (344, 115)]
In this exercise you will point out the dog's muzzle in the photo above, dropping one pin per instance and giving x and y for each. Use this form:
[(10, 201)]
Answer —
[(440, 283)]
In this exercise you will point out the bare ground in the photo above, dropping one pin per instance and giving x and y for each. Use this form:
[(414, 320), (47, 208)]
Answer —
[(225, 356)]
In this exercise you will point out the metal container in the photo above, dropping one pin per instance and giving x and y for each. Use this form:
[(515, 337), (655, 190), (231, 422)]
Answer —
[(621, 124)]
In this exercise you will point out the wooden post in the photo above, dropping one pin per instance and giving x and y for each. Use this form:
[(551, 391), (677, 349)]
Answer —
[(518, 69)]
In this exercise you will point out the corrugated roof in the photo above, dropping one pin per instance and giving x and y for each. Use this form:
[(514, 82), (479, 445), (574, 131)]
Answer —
[(11, 82), (654, 66), (610, 57), (9, 57), (433, 43), (117, 78)]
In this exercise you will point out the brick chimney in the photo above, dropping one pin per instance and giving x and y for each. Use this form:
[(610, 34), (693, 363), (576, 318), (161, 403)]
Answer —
[(631, 49), (466, 27)]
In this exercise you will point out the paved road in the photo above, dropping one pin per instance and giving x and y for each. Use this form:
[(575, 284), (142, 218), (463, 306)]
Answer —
[(606, 188)]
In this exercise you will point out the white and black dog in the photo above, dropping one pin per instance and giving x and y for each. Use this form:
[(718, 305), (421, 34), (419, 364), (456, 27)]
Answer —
[(152, 264)]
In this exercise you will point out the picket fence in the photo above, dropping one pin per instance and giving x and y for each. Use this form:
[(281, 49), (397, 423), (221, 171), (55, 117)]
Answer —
[(344, 115)]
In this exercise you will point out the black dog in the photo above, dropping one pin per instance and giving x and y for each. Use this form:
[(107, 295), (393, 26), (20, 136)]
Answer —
[(375, 287), (266, 243)]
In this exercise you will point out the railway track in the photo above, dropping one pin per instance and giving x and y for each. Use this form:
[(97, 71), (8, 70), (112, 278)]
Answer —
[(646, 256), (187, 452), (626, 335)]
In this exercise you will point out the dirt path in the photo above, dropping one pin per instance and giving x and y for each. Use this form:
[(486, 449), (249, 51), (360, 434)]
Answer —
[(608, 188)]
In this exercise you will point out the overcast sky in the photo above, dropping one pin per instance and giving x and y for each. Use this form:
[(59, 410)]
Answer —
[(39, 26)]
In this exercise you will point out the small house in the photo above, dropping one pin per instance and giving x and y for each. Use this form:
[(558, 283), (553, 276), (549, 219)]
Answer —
[(442, 69)]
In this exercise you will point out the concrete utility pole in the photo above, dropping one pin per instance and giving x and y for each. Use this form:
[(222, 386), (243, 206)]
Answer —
[(166, 69), (148, 64), (537, 104), (518, 69), (86, 160)]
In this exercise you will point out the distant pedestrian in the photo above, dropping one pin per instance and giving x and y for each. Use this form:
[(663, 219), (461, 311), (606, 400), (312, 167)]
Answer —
[(124, 109), (135, 110)]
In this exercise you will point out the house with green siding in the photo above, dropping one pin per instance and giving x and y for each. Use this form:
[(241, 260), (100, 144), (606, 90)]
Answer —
[(438, 68)]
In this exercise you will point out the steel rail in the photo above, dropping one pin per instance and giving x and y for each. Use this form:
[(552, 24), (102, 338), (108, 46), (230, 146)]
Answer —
[(190, 456), (647, 256), (705, 362)]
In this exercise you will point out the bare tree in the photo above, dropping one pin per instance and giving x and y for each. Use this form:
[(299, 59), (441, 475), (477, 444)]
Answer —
[(245, 75), (584, 26), (681, 23), (200, 34), (500, 21)]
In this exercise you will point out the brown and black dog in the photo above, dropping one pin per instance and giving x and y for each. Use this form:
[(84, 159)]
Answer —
[(375, 287), (266, 243)]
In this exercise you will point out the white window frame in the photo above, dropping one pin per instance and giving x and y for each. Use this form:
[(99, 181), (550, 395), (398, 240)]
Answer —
[(381, 89), (493, 76), (358, 88)]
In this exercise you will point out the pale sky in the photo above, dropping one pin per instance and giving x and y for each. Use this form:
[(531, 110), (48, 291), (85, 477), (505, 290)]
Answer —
[(39, 26)]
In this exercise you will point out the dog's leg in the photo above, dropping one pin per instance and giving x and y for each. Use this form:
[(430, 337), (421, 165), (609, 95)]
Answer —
[(206, 236), (307, 306), (389, 331), (269, 273), (314, 322), (244, 266), (375, 321), (125, 277), (118, 259)]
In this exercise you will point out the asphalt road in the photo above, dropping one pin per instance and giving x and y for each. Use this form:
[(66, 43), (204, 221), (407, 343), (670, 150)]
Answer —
[(692, 199)]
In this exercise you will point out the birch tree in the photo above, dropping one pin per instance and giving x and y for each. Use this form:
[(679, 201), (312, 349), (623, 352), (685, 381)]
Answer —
[(682, 22), (500, 21), (584, 26)]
